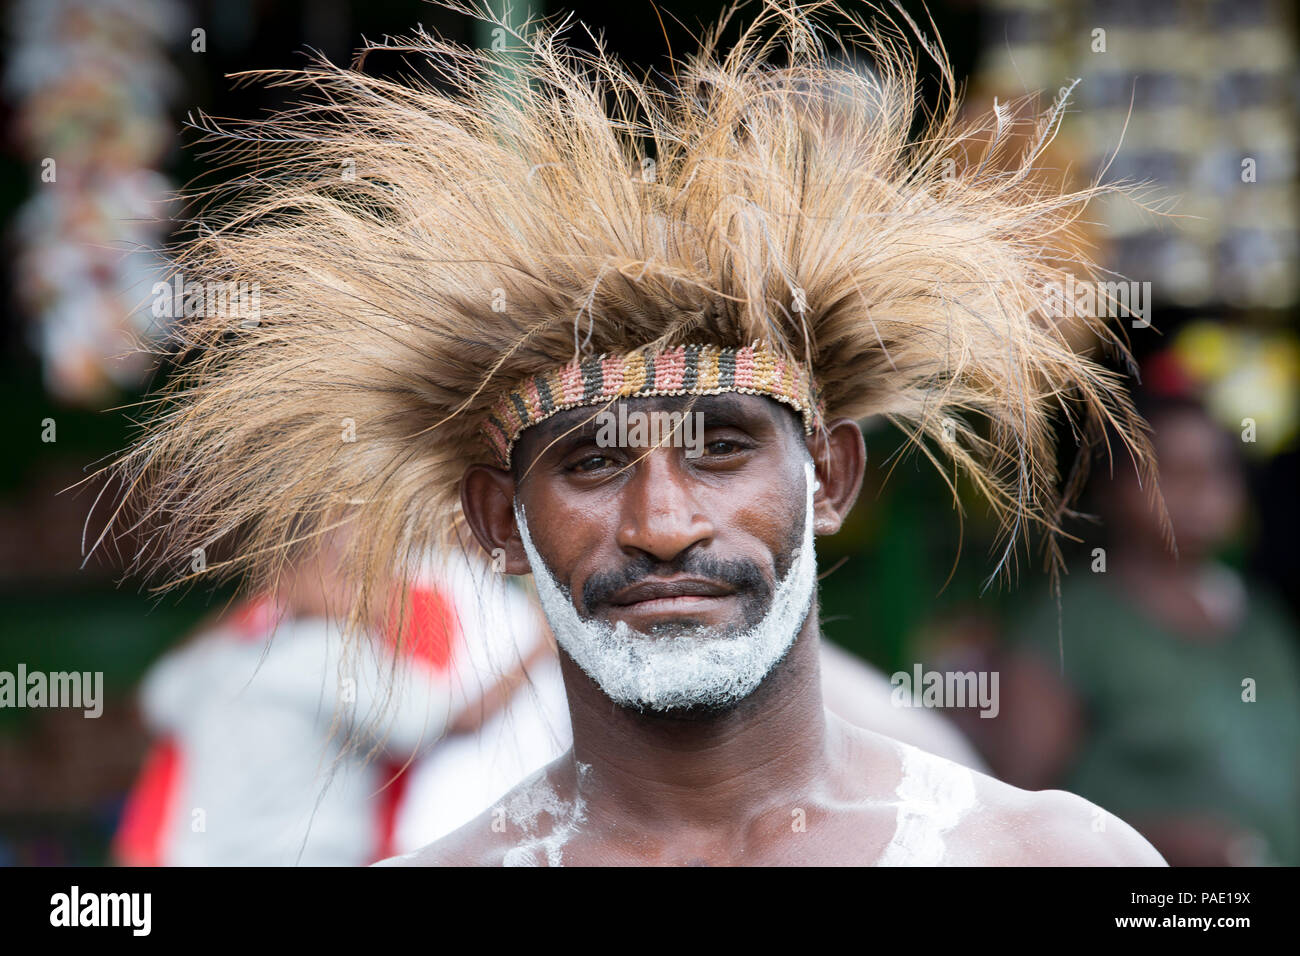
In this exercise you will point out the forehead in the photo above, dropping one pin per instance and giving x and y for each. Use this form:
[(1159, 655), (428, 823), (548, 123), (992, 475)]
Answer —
[(751, 412)]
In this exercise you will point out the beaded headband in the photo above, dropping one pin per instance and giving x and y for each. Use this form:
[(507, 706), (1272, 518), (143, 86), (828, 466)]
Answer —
[(682, 370)]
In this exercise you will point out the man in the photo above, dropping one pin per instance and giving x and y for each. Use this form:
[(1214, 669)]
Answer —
[(476, 332), (683, 590)]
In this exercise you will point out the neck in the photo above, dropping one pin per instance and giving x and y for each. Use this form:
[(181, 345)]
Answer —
[(669, 774)]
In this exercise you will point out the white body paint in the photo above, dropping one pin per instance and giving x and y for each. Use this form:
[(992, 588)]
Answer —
[(706, 668), (523, 808), (933, 796)]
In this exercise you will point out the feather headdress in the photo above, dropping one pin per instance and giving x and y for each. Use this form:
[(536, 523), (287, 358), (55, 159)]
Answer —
[(420, 248)]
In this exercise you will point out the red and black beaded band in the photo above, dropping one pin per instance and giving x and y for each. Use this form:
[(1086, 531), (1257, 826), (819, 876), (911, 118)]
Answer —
[(681, 370)]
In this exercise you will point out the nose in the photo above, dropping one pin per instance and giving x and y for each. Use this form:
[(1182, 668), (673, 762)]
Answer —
[(661, 513)]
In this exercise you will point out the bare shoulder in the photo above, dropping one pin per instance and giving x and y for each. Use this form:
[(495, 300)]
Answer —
[(471, 845), (1056, 828), (1076, 832), (526, 827), (948, 814)]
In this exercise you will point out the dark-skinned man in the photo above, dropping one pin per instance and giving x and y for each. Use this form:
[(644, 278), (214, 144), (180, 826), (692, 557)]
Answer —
[(759, 236), (690, 770)]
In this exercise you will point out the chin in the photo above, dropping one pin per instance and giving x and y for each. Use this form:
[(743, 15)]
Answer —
[(676, 625), (687, 712), (687, 627)]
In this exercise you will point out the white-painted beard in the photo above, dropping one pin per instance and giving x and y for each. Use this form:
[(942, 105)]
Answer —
[(710, 667)]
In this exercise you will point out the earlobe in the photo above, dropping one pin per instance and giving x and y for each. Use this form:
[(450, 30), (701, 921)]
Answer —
[(825, 519), (839, 455), (516, 557)]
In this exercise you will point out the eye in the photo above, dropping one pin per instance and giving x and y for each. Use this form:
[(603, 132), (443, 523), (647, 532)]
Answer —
[(722, 446), (590, 463)]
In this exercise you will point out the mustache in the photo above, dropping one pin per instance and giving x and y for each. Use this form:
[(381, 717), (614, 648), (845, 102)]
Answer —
[(741, 576)]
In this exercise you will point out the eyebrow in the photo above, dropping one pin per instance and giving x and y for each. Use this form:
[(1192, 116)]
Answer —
[(565, 431), (726, 410), (731, 409)]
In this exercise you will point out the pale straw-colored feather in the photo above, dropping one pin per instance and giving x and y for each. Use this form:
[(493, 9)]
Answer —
[(513, 211)]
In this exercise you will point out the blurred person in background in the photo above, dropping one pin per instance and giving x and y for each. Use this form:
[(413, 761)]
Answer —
[(1173, 694), (275, 749)]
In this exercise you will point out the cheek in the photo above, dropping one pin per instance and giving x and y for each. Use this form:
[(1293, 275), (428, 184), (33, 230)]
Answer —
[(766, 519), (764, 523), (578, 539)]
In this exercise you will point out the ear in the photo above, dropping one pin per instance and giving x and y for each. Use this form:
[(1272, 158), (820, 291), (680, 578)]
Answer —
[(840, 458), (487, 498)]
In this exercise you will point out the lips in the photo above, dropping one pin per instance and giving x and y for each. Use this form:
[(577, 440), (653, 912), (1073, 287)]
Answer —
[(662, 589)]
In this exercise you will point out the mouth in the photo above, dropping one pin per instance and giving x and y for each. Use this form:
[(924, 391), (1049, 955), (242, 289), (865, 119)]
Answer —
[(670, 596)]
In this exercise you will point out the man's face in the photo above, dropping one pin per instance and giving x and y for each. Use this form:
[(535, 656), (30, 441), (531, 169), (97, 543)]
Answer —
[(660, 564)]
